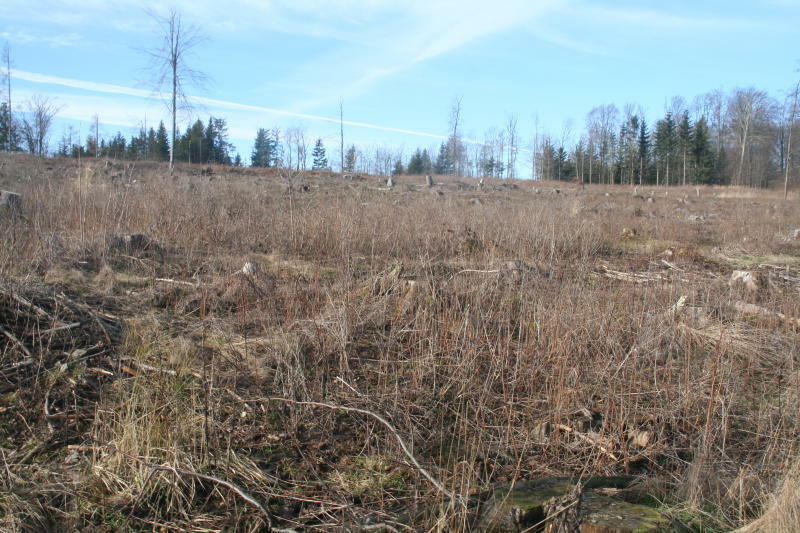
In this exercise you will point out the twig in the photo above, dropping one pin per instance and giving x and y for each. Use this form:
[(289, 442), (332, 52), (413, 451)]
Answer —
[(16, 341), (47, 414), (20, 364), (427, 475), (379, 527)]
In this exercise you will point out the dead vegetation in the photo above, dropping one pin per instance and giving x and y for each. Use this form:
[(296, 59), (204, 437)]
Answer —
[(231, 356)]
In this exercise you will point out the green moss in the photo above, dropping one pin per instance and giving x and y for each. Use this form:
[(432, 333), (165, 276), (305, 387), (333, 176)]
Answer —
[(524, 506)]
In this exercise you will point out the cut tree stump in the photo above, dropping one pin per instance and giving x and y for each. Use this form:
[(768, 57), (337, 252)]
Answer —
[(524, 508), (10, 202)]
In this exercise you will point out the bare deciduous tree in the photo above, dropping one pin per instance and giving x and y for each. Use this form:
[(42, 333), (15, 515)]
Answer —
[(341, 136), (790, 120), (455, 144), (513, 140), (7, 79), (601, 123), (296, 148), (749, 111), (36, 123), (169, 65)]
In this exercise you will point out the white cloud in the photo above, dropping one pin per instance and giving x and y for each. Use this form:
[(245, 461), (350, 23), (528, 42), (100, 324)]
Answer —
[(369, 40), (655, 19), (114, 111), (54, 41)]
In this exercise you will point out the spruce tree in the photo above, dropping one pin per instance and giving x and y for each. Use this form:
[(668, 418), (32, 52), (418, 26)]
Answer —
[(265, 149), (702, 155), (161, 147), (427, 163), (444, 161), (320, 160), (8, 126), (216, 141), (209, 140), (666, 141), (684, 143), (116, 147), (183, 146), (398, 169), (415, 166), (644, 151)]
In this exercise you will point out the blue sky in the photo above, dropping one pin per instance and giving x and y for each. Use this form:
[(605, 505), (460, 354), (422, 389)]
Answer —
[(398, 64)]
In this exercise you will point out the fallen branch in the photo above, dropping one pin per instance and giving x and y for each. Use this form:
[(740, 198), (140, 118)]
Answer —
[(634, 277), (60, 328), (427, 475), (16, 341), (177, 281), (588, 439), (235, 488), (467, 270), (159, 370), (672, 266), (756, 310), (30, 305)]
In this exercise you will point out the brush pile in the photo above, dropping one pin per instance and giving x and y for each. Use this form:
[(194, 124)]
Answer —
[(55, 356)]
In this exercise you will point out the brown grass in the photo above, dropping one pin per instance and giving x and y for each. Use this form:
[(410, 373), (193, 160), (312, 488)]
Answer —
[(473, 327)]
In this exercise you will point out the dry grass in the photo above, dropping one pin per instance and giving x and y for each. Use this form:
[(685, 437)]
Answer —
[(476, 322)]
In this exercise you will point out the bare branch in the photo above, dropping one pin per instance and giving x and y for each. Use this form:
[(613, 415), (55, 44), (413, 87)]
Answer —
[(427, 475)]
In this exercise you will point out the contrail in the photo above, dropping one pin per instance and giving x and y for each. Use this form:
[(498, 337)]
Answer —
[(140, 93)]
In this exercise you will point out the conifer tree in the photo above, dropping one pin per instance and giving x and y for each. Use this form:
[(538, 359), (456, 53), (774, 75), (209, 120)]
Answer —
[(702, 154), (644, 150), (427, 163), (161, 149), (665, 144), (415, 165), (8, 127), (319, 157), (684, 142), (265, 150), (444, 161)]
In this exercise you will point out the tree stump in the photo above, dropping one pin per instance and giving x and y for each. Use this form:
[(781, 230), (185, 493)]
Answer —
[(556, 504), (10, 202)]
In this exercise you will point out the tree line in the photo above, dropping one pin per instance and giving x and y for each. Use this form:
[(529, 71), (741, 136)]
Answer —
[(743, 137)]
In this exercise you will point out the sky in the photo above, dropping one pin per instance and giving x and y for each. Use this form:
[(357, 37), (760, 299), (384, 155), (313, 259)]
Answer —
[(397, 66)]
